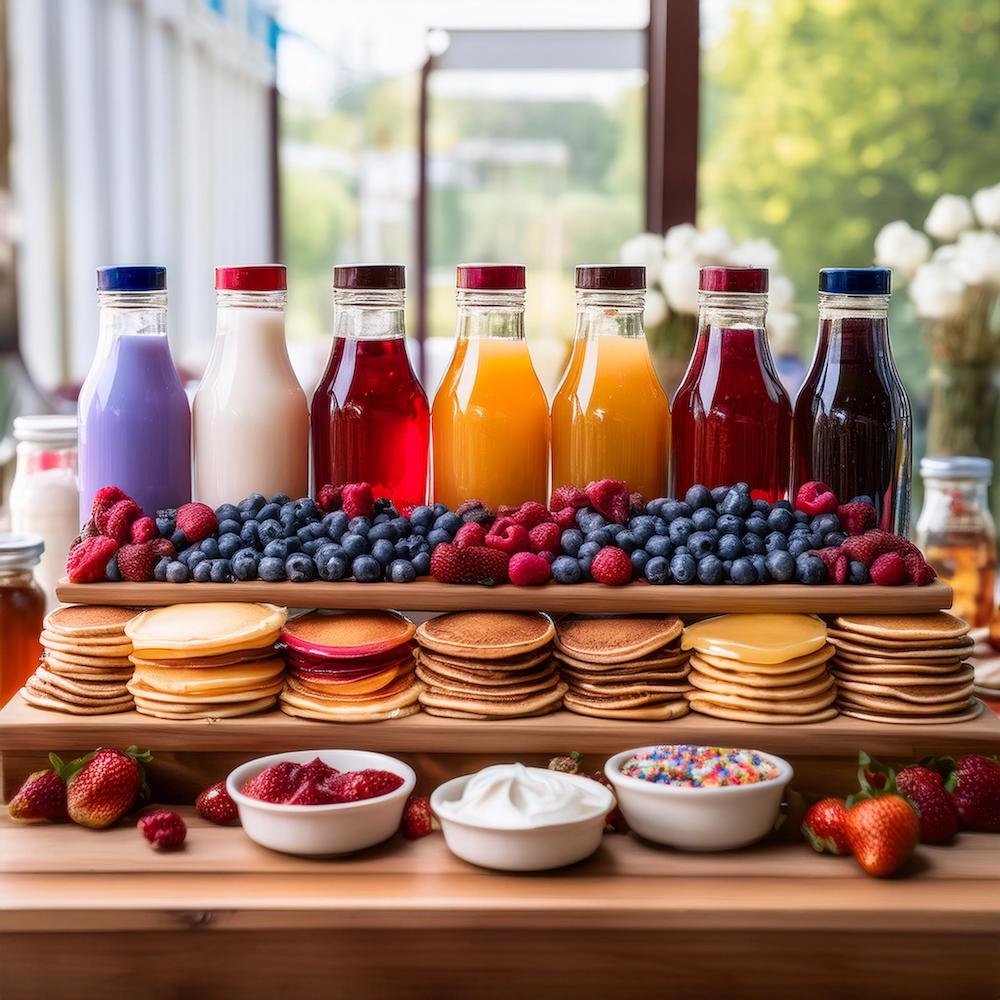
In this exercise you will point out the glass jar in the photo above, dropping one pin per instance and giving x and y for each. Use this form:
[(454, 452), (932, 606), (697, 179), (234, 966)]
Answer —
[(22, 608), (45, 494), (957, 534)]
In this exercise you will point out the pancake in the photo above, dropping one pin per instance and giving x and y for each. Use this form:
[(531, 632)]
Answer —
[(341, 711), (888, 705), (229, 659), (929, 695), (664, 658), (184, 712), (92, 649), (188, 630), (60, 666), (973, 711), (653, 713), (937, 626), (88, 621), (149, 694), (350, 635), (94, 662), (765, 706), (845, 661), (899, 646), (441, 683), (386, 693), (574, 699), (115, 688), (639, 677), (39, 686), (814, 688), (767, 718), (615, 639), (798, 663), (196, 682), (486, 635), (372, 716), (963, 675), (957, 651), (366, 686), (56, 705), (499, 707), (487, 677), (769, 680), (512, 664), (756, 638)]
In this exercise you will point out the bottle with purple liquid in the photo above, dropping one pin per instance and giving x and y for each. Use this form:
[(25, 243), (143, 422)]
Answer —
[(135, 420)]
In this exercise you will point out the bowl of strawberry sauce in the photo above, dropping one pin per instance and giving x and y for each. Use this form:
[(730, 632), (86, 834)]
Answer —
[(321, 802)]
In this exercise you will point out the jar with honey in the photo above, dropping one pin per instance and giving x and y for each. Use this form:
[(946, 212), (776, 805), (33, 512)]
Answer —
[(22, 607)]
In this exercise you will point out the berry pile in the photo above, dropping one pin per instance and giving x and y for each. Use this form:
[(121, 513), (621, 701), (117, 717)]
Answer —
[(318, 784)]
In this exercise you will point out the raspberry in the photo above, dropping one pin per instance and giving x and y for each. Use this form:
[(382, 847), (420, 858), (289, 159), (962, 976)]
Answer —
[(531, 513), (836, 563), (143, 530), (328, 498), (470, 534), (164, 547), (565, 518), (164, 829), (105, 498), (87, 560), (358, 500), (856, 517), (546, 538), (137, 562), (609, 497), (116, 522), (611, 566), (196, 521), (863, 548), (636, 504), (472, 564), (568, 496), (528, 570), (888, 570), (815, 498), (505, 510), (475, 510), (918, 569), (508, 536)]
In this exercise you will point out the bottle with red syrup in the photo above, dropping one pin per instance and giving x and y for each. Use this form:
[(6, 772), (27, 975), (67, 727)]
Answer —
[(731, 417), (852, 427), (370, 420)]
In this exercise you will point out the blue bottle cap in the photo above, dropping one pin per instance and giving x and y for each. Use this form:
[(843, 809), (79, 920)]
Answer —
[(132, 278), (855, 280)]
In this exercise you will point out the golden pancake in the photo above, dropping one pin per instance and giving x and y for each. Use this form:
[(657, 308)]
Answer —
[(188, 630), (484, 675), (615, 639), (95, 662), (665, 688), (767, 718), (56, 705), (902, 646), (442, 683), (90, 673), (161, 710), (652, 713), (338, 689), (874, 664), (896, 628), (345, 710), (799, 663), (352, 634), (93, 650), (854, 649), (193, 682), (928, 695), (91, 688), (88, 620), (500, 708), (783, 706), (386, 693), (756, 638), (229, 659), (576, 699), (964, 715), (454, 713), (962, 675), (359, 717), (759, 680), (508, 664), (39, 686), (662, 659), (779, 695), (486, 635), (642, 677), (149, 694), (895, 706)]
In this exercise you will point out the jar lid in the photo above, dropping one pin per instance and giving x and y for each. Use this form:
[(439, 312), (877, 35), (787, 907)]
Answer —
[(49, 428), (611, 277), (956, 467), (20, 551), (855, 280), (251, 278), (369, 276), (132, 278), (719, 278), (490, 277)]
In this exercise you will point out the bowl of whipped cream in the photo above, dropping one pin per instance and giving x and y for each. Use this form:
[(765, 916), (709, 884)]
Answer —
[(522, 819)]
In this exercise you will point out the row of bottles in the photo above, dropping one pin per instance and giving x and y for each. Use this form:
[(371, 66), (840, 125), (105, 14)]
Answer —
[(491, 434)]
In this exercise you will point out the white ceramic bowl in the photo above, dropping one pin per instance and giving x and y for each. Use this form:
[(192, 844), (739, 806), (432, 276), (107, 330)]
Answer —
[(322, 830), (534, 850), (699, 819)]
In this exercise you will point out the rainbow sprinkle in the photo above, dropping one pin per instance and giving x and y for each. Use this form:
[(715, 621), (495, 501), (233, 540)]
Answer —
[(699, 767)]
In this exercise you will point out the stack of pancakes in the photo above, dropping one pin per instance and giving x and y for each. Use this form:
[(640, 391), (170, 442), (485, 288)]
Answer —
[(206, 661), (353, 667), (904, 668), (767, 668), (627, 667), (85, 666), (488, 665)]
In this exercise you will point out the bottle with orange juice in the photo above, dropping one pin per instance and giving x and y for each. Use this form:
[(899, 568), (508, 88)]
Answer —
[(610, 415), (490, 419)]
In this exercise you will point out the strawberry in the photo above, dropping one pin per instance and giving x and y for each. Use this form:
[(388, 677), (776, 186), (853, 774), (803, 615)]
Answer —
[(835, 561), (568, 496), (164, 829), (87, 560), (42, 796), (888, 570), (856, 517), (353, 786), (104, 499), (815, 498), (508, 536), (609, 497), (568, 763), (137, 562), (545, 537), (316, 770), (530, 513), (863, 548), (418, 820), (217, 806), (918, 570), (611, 566), (882, 827), (143, 530), (358, 500), (924, 789), (471, 533), (311, 793), (328, 498), (526, 569), (472, 564), (116, 523), (825, 827), (102, 786), (475, 510), (273, 784), (977, 793), (565, 518), (196, 521)]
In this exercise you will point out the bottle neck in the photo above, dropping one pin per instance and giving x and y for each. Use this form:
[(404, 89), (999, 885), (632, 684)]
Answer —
[(17, 576), (609, 314), (258, 316), (497, 315), (853, 327), (960, 504), (729, 311), (133, 314), (369, 314)]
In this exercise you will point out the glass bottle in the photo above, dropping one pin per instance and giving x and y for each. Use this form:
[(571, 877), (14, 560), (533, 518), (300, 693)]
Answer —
[(251, 418), (490, 419), (610, 415), (370, 419), (135, 421), (731, 417), (852, 427), (957, 534), (22, 607)]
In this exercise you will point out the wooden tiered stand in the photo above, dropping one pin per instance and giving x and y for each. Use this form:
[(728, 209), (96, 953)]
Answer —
[(224, 918)]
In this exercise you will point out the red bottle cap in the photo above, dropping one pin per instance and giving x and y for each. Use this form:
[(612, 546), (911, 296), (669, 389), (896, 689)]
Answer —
[(611, 277), (490, 277), (717, 278), (251, 278), (365, 276)]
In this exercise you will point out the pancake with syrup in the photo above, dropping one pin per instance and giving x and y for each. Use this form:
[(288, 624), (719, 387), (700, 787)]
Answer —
[(351, 635), (183, 631)]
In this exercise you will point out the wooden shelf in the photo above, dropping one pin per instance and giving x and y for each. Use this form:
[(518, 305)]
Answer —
[(592, 598)]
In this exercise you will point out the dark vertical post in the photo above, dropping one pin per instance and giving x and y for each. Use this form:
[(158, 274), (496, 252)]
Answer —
[(274, 128), (423, 246)]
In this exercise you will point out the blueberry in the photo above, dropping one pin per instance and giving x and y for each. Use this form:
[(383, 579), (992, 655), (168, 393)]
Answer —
[(753, 545), (683, 568), (439, 509), (354, 546), (422, 563), (229, 525), (681, 529), (602, 536), (743, 571), (381, 519), (780, 520), (228, 512), (729, 547), (299, 568), (799, 545), (245, 564), (801, 516), (209, 546), (657, 570), (166, 526), (420, 530), (810, 569), (703, 518), (654, 507), (202, 572), (681, 550), (160, 570), (857, 572), (642, 533), (194, 557), (659, 545), (737, 502), (269, 512), (366, 569), (179, 540), (584, 565), (863, 499), (700, 544), (782, 505), (294, 545), (359, 526), (177, 572), (402, 549), (334, 568), (780, 565), (402, 571), (422, 516), (305, 534), (281, 498), (757, 525), (449, 522), (698, 496), (401, 526), (639, 559), (306, 509), (673, 509), (317, 530), (776, 540), (825, 523), (835, 538), (269, 530), (289, 526), (112, 570), (626, 541), (710, 569), (762, 507), (252, 503), (271, 569), (730, 524), (638, 520), (588, 550), (222, 571), (384, 531), (571, 540), (288, 512), (437, 536), (718, 494), (384, 551), (278, 549), (760, 565), (566, 569), (415, 545), (336, 524), (815, 540), (313, 546), (661, 527), (250, 534), (727, 565), (229, 544), (589, 520)]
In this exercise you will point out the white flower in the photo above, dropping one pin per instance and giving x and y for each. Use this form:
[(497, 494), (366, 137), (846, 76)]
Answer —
[(937, 291), (645, 249), (783, 332), (900, 246), (713, 246), (986, 202), (950, 215), (781, 294), (679, 240), (656, 308), (679, 279), (977, 258), (755, 253)]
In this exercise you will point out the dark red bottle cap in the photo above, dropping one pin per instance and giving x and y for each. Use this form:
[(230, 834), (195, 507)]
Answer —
[(369, 276), (716, 278), (611, 277), (490, 277), (251, 278)]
